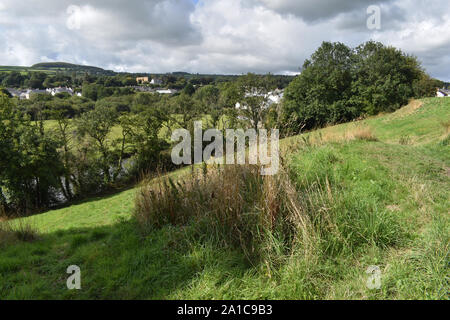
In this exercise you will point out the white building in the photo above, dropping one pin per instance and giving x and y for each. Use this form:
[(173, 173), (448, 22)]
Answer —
[(14, 92), (166, 91), (55, 91), (27, 93), (441, 93), (272, 97), (156, 81)]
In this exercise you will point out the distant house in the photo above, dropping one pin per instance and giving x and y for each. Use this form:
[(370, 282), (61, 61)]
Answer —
[(156, 81), (143, 89), (24, 96), (275, 96), (14, 92), (55, 91), (442, 93), (141, 80), (27, 93), (166, 91), (272, 97)]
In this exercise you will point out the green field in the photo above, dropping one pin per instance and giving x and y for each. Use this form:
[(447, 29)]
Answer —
[(389, 179), (52, 68), (116, 131), (26, 70)]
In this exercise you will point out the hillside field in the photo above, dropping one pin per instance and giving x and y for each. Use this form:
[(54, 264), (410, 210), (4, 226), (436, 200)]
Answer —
[(389, 179)]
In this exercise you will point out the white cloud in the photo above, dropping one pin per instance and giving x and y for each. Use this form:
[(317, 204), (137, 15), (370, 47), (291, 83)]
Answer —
[(214, 36)]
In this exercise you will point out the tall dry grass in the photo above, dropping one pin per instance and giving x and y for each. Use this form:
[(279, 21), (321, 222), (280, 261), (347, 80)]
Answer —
[(361, 133), (358, 132), (233, 205), (12, 231)]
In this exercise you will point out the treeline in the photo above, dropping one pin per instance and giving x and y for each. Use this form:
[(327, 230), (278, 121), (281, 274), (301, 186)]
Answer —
[(74, 78), (339, 84), (43, 80), (42, 166)]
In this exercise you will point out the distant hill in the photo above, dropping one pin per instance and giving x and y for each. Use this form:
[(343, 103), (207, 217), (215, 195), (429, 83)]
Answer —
[(180, 73), (72, 67), (53, 67)]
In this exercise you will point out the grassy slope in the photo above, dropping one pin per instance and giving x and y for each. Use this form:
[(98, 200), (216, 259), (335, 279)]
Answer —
[(403, 178)]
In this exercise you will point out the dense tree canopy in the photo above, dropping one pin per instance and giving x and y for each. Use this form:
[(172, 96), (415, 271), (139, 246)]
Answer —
[(340, 84), (29, 166)]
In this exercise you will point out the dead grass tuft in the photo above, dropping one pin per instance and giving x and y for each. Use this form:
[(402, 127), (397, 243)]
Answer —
[(17, 230), (409, 109), (446, 126), (361, 133)]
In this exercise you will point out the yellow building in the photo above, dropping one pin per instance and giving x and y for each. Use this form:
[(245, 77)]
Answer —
[(141, 80)]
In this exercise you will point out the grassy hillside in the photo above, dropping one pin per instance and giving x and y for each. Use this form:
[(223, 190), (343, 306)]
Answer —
[(386, 183), (54, 67)]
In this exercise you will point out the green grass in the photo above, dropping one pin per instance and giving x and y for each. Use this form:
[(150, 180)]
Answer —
[(116, 131), (26, 70), (383, 202)]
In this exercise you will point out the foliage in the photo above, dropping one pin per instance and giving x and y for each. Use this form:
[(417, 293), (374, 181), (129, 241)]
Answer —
[(339, 84), (30, 166)]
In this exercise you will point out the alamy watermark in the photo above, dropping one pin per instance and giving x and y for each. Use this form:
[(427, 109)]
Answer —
[(374, 280), (74, 280), (258, 147), (374, 19)]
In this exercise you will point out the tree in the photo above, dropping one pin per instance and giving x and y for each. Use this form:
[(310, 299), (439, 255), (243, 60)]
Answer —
[(129, 81), (319, 95), (253, 98), (339, 84), (182, 111), (90, 91), (189, 89), (5, 92), (426, 86), (14, 79), (36, 80), (30, 166), (384, 77), (97, 124), (142, 101), (145, 128), (208, 99), (64, 136)]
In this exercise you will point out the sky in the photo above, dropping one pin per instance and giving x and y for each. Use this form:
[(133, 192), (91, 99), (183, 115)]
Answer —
[(215, 36)]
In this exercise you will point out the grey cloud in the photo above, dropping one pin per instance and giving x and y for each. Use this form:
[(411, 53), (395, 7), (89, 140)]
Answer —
[(215, 36), (392, 17), (162, 20), (317, 10)]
